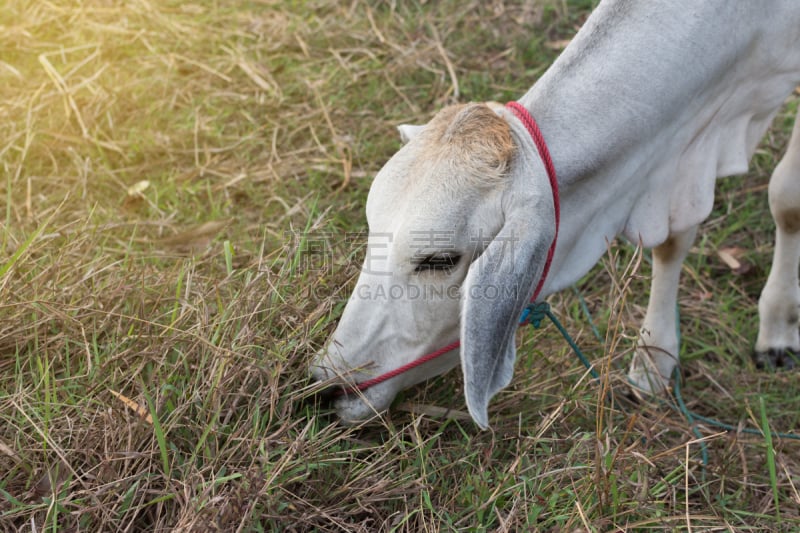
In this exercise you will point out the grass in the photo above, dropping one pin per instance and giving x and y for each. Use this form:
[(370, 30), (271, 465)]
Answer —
[(183, 190)]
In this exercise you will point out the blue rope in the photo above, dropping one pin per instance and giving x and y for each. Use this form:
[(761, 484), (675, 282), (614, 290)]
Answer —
[(535, 313), (690, 417), (682, 408)]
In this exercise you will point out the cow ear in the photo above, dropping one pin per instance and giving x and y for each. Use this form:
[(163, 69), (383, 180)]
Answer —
[(497, 288), (409, 131)]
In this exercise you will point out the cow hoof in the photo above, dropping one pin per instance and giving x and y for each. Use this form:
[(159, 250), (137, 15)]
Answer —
[(646, 383), (631, 397), (644, 395), (776, 358)]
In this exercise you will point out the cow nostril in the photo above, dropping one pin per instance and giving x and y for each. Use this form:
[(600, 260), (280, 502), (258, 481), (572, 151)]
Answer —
[(324, 388), (320, 394), (327, 394)]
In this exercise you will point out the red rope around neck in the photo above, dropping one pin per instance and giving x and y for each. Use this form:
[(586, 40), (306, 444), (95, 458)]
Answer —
[(538, 139), (533, 129)]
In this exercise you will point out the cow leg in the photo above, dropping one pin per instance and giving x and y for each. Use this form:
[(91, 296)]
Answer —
[(657, 353), (778, 342)]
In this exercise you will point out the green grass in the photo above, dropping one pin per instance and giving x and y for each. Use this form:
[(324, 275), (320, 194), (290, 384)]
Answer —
[(155, 337)]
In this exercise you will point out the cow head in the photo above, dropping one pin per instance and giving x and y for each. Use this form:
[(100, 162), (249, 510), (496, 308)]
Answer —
[(460, 221)]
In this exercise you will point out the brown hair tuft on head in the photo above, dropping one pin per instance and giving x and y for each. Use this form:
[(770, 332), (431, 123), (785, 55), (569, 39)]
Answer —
[(473, 138)]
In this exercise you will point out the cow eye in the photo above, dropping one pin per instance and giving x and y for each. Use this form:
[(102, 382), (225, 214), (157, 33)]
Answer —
[(443, 262)]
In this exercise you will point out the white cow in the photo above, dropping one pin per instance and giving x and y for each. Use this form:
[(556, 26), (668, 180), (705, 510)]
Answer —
[(650, 103)]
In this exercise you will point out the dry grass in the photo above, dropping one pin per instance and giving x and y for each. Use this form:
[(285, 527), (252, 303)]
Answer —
[(163, 162)]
